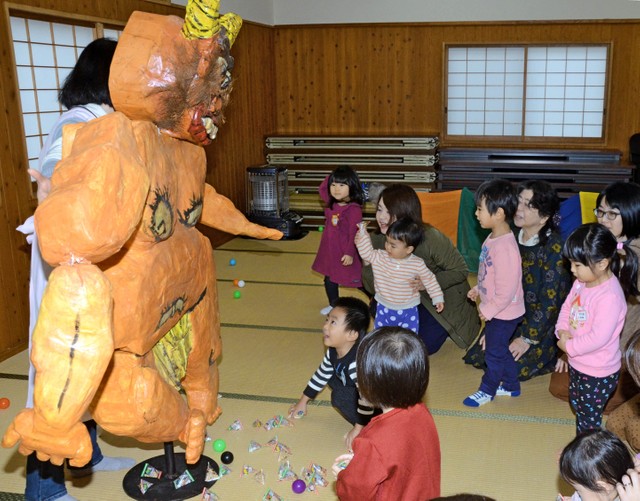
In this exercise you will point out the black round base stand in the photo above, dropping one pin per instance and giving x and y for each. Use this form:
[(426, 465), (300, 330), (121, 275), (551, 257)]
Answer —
[(171, 465)]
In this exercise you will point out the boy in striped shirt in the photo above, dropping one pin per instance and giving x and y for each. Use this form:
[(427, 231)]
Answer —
[(394, 270), (346, 323)]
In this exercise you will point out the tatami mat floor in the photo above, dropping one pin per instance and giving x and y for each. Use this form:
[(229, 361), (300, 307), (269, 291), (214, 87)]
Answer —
[(507, 449)]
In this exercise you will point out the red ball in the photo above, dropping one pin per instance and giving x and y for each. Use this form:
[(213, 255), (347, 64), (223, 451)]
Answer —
[(4, 403)]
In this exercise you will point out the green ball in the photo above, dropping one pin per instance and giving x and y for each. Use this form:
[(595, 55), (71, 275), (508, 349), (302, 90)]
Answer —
[(320, 229), (219, 445), (236, 294)]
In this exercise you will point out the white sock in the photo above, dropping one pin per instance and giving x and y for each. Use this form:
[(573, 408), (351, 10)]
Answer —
[(106, 464), (114, 464), (66, 497)]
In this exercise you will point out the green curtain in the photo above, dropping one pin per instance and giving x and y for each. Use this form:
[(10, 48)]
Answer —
[(470, 234)]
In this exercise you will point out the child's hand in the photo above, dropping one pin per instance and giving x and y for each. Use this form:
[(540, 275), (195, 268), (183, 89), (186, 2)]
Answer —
[(473, 293), (439, 307), (362, 226), (44, 184), (299, 410), (629, 489), (561, 365), (482, 342), (563, 337), (351, 434), (340, 463), (346, 260), (481, 315)]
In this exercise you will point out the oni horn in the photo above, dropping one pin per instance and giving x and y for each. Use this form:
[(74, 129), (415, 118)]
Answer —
[(203, 20)]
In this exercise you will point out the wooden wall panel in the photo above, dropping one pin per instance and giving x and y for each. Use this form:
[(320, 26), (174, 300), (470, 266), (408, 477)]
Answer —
[(387, 79), (250, 115)]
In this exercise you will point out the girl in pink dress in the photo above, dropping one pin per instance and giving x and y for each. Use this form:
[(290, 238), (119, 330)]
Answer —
[(337, 257)]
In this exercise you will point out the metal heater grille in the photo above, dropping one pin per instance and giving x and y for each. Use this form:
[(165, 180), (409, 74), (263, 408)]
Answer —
[(269, 191)]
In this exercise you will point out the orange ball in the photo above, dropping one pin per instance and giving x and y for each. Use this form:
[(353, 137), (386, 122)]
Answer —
[(235, 282), (4, 403)]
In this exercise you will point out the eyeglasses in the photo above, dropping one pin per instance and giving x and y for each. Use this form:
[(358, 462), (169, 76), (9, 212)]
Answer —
[(609, 214)]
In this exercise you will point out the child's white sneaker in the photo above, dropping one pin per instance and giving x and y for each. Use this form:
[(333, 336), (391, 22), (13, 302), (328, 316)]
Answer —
[(477, 399), (501, 392), (325, 311)]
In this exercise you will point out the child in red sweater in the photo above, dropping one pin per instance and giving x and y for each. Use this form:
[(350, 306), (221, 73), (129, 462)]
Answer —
[(397, 455)]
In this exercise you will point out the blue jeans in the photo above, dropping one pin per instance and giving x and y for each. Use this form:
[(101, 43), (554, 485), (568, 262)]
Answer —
[(430, 331), (45, 481), (501, 367)]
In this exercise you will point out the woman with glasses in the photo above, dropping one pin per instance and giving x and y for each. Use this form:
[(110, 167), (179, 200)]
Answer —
[(618, 208), (545, 282)]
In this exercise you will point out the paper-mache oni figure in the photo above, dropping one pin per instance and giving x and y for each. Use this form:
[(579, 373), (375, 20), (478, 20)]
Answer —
[(133, 292)]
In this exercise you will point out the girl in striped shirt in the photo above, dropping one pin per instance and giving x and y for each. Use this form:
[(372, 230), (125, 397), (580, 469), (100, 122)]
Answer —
[(394, 270)]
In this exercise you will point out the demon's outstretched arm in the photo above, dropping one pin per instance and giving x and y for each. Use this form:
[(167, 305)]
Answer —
[(219, 212)]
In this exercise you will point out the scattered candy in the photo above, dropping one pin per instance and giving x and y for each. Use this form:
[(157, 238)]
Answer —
[(227, 457), (224, 470), (150, 472), (232, 262), (298, 486), (271, 496), (219, 445), (211, 474), (272, 442), (281, 448), (342, 464), (285, 472), (209, 496), (241, 283), (260, 477), (254, 446), (182, 480), (4, 403), (247, 470), (236, 294), (277, 422), (144, 485), (298, 415), (314, 474), (235, 426), (257, 423)]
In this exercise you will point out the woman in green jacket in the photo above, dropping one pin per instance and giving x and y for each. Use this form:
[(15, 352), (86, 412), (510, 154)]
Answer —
[(459, 320)]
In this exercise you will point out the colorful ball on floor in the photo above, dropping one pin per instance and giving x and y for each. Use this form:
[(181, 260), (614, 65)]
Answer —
[(232, 262), (298, 486), (241, 283), (320, 229), (4, 403), (227, 457), (219, 445), (236, 294)]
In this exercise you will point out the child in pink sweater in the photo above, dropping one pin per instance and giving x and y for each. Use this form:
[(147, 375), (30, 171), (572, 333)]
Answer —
[(592, 318), (499, 289)]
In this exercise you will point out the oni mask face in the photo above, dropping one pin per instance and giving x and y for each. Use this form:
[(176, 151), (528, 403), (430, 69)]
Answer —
[(163, 73)]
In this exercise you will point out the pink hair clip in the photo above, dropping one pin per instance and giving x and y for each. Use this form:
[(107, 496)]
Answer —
[(620, 246)]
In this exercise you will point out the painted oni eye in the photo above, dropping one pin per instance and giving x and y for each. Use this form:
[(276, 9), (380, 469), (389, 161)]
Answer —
[(161, 225)]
